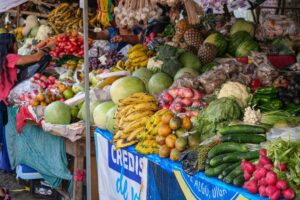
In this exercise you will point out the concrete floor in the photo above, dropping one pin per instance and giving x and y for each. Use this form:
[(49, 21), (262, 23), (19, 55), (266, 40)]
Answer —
[(9, 181)]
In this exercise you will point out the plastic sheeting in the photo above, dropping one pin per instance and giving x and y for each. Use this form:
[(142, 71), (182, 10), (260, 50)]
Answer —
[(37, 149), (6, 5)]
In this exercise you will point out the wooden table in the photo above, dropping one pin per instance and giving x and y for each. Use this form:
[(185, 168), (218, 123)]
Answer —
[(77, 150)]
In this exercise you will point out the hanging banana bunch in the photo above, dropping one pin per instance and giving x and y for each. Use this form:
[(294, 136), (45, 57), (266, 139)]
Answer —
[(105, 10)]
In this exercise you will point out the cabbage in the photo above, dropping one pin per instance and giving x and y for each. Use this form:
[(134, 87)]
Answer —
[(223, 109), (110, 119), (237, 90), (126, 86), (99, 113), (242, 25), (159, 82), (57, 113)]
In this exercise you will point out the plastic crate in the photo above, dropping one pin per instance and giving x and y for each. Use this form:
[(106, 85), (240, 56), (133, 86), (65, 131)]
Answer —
[(27, 173)]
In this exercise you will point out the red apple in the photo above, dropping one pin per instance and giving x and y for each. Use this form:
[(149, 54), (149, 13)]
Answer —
[(187, 93), (37, 76), (173, 92), (178, 108), (186, 102), (43, 78), (167, 98), (196, 104), (197, 95)]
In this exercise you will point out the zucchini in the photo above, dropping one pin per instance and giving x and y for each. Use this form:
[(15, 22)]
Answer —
[(230, 168), (216, 171), (242, 128), (226, 147), (237, 156), (237, 171), (217, 160), (239, 180), (244, 138)]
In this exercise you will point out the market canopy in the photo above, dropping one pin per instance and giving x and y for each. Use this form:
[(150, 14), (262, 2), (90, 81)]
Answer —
[(6, 5)]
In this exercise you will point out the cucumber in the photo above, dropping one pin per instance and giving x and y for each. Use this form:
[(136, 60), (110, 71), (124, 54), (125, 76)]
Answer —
[(230, 168), (237, 171), (236, 156), (244, 138), (217, 160), (242, 128), (239, 180), (220, 176), (226, 147), (216, 171)]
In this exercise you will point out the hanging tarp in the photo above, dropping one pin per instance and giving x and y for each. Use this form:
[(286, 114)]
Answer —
[(6, 5)]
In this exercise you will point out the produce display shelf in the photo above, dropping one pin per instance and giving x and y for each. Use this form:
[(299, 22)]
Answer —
[(174, 168)]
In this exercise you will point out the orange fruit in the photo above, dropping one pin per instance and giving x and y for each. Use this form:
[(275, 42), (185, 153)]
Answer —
[(40, 97), (187, 123), (34, 103), (170, 141), (61, 88), (164, 130), (167, 117), (164, 151), (160, 140)]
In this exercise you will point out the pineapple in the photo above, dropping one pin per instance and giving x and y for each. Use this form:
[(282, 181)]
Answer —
[(193, 37), (207, 53)]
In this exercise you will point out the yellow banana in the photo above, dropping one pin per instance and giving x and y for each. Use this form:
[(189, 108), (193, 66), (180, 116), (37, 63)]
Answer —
[(134, 125), (136, 54), (137, 115), (135, 47), (133, 134), (123, 143)]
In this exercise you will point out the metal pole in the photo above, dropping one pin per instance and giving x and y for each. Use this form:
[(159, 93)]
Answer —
[(87, 99)]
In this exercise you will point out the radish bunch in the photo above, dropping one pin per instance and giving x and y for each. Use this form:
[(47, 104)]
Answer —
[(262, 179)]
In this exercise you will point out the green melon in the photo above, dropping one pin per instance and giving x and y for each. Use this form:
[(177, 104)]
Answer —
[(144, 74), (242, 25), (245, 48), (236, 39), (219, 41), (159, 82)]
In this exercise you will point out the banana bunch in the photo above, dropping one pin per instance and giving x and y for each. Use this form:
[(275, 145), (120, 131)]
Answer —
[(131, 117), (120, 66), (150, 130), (147, 147), (138, 57), (65, 19)]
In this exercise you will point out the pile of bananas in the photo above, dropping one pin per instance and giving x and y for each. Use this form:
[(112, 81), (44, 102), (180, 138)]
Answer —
[(65, 19), (138, 57), (131, 117), (120, 66), (146, 138)]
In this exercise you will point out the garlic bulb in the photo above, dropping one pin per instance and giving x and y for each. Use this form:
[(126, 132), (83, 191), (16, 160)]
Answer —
[(252, 116)]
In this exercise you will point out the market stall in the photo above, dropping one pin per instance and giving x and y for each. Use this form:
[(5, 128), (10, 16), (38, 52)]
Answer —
[(177, 100)]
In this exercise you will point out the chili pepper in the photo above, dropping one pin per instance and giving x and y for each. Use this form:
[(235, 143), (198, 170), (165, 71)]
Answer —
[(266, 91), (255, 84)]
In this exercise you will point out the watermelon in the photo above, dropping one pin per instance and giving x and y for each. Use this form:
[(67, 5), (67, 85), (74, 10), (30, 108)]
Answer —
[(245, 48), (159, 82), (236, 39), (190, 60), (219, 41), (242, 25)]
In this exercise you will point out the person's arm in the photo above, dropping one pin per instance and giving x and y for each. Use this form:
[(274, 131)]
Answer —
[(24, 60), (103, 35), (130, 39)]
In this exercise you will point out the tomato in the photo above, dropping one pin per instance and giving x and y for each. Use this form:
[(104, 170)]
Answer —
[(61, 54)]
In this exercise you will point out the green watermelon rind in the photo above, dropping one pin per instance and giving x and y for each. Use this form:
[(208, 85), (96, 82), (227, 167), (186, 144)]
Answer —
[(236, 39), (245, 48), (219, 41)]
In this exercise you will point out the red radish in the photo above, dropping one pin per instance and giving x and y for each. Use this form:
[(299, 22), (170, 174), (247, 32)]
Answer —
[(186, 102), (187, 93), (249, 167), (282, 167), (281, 184), (262, 181), (270, 190), (196, 104), (288, 194), (268, 166), (247, 175), (262, 191), (264, 161), (251, 186), (275, 195), (173, 92), (166, 97), (271, 178), (263, 152), (180, 92), (197, 95)]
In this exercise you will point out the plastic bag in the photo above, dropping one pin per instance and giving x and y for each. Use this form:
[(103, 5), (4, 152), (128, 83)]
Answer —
[(72, 132), (287, 134), (18, 90), (275, 26)]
